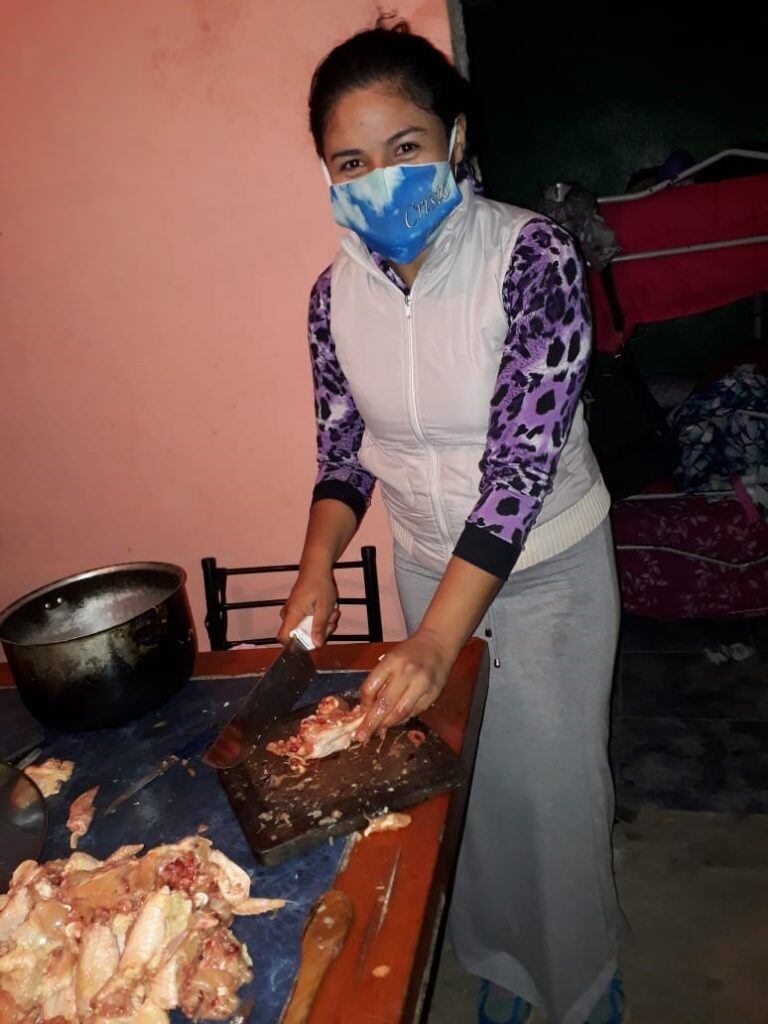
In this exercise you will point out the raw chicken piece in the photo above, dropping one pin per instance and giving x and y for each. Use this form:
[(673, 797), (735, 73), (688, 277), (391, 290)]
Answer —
[(124, 853), (21, 972), (81, 862), (234, 883), (253, 906), (209, 993), (330, 729), (14, 913), (387, 823), (150, 1013), (105, 888), (98, 962), (25, 874), (164, 987), (50, 775), (43, 927), (121, 924), (59, 997), (163, 917), (81, 815)]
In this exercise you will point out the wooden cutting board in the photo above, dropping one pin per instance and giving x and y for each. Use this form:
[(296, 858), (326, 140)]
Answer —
[(284, 814)]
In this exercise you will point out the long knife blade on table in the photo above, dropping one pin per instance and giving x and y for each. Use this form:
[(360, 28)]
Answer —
[(271, 699), (190, 749)]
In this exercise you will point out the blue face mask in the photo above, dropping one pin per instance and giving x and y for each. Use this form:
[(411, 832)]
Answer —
[(398, 210)]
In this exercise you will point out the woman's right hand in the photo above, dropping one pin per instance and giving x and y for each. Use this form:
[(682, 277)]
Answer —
[(315, 594)]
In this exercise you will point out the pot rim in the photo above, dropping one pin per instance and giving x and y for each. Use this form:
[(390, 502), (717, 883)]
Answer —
[(104, 570)]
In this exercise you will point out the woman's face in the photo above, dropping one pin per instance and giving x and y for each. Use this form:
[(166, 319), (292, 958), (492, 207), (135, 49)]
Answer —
[(377, 127)]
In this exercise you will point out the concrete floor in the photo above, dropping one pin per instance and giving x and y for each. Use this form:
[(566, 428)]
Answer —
[(694, 888)]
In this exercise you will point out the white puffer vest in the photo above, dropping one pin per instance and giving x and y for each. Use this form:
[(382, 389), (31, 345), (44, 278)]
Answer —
[(422, 370)]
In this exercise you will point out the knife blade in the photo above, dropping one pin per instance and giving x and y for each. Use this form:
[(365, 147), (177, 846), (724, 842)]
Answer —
[(376, 920), (272, 697), (190, 749), (145, 780)]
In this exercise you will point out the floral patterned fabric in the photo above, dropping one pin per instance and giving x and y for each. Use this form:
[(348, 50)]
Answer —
[(690, 556)]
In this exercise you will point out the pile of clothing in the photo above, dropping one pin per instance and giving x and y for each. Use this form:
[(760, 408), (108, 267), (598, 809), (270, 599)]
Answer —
[(722, 432)]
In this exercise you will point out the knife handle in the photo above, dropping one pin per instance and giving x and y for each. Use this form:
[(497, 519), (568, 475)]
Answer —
[(324, 936), (303, 633)]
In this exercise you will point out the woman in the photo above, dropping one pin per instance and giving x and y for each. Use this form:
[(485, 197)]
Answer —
[(449, 342)]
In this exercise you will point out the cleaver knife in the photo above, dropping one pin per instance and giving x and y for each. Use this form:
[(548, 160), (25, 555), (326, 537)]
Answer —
[(271, 699)]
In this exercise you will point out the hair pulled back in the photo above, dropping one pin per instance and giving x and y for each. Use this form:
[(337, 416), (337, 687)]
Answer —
[(388, 54)]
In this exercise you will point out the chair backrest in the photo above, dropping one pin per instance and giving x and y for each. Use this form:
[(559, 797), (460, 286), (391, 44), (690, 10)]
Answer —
[(217, 606)]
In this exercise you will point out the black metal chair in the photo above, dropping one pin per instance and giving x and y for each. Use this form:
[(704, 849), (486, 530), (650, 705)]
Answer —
[(217, 606)]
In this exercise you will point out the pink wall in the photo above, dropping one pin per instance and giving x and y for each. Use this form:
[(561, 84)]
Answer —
[(163, 218)]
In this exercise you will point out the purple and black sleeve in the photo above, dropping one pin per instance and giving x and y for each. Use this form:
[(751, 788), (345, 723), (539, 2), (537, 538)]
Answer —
[(542, 371), (339, 424)]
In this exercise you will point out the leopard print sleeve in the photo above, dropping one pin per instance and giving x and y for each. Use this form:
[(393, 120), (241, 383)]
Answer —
[(541, 374), (339, 424)]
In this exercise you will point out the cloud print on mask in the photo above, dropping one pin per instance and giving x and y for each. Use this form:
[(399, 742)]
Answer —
[(397, 210)]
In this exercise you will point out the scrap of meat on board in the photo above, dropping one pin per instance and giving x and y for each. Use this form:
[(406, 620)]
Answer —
[(330, 729), (387, 823)]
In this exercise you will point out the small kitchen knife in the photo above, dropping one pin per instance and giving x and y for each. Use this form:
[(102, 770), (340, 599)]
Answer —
[(270, 699)]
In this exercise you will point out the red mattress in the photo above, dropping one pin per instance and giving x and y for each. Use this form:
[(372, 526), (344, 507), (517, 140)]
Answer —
[(684, 556)]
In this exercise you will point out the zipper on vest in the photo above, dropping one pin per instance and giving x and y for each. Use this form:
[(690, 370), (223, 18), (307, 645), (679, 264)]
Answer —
[(418, 430)]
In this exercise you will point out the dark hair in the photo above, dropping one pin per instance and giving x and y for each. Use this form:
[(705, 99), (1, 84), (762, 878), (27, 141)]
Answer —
[(409, 62)]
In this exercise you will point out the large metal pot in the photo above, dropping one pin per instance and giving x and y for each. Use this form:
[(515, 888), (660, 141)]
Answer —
[(95, 650)]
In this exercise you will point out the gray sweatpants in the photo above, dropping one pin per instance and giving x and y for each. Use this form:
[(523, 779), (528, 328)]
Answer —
[(534, 905)]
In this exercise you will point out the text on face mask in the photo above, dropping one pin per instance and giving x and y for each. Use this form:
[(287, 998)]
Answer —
[(415, 211)]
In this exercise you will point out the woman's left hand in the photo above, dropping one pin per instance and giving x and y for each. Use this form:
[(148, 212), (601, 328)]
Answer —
[(404, 683)]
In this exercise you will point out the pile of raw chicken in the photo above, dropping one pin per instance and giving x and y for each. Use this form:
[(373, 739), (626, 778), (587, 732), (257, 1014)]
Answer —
[(125, 939)]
